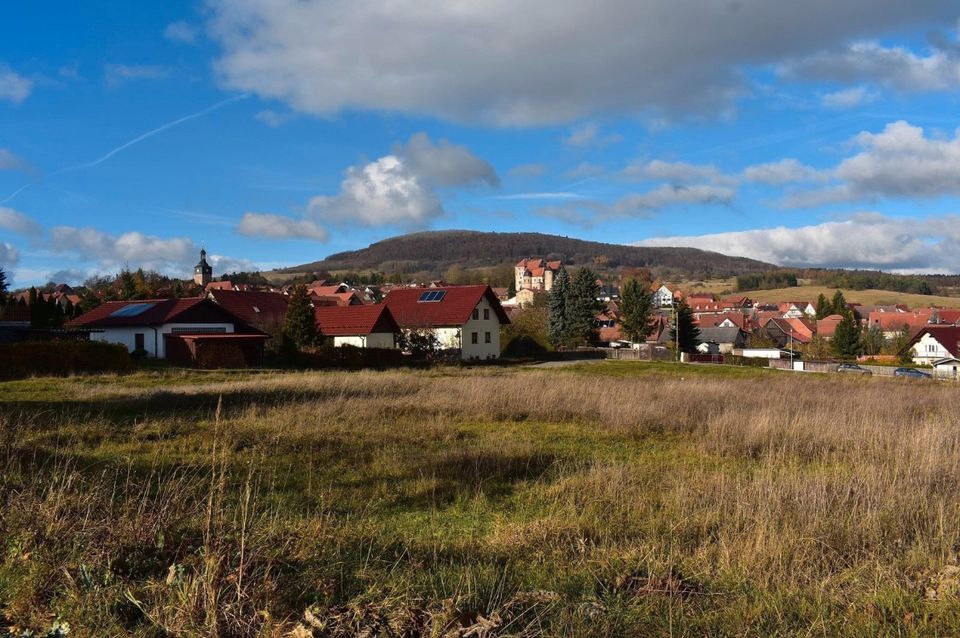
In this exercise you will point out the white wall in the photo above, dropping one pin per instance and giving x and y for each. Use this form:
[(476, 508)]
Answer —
[(481, 349), (154, 346), (373, 340), (928, 350)]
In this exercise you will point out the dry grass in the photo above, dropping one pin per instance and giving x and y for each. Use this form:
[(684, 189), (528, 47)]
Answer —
[(482, 502)]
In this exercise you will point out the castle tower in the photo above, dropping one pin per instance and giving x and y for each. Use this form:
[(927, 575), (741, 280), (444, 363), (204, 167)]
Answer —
[(202, 272)]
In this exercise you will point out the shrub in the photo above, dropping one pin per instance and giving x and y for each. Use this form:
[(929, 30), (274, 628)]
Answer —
[(61, 358), (350, 358)]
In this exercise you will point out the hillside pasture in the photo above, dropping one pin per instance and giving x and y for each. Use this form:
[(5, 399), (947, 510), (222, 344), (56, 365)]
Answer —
[(615, 499)]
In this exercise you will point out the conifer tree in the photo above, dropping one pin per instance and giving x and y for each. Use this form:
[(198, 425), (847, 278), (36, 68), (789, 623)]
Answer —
[(846, 339), (4, 287), (823, 307), (557, 324), (689, 333), (300, 327), (838, 305), (582, 307), (636, 304), (512, 289)]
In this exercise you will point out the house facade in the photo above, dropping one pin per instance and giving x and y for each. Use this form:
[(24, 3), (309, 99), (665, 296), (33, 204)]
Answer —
[(463, 318), (663, 297), (365, 326), (933, 343), (535, 274)]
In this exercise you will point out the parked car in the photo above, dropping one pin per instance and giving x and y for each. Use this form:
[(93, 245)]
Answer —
[(852, 368), (911, 373)]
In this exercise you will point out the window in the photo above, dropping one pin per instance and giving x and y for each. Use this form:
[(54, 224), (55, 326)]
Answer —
[(486, 313), (138, 343), (473, 337), (476, 313), (486, 337)]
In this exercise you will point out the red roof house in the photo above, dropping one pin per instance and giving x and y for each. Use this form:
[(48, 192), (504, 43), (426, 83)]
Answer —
[(365, 326)]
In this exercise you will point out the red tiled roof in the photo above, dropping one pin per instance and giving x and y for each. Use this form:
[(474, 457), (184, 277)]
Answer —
[(160, 311), (949, 315), (827, 326), (346, 321), (325, 291), (890, 321), (219, 285), (946, 336), (15, 312), (252, 306), (453, 310)]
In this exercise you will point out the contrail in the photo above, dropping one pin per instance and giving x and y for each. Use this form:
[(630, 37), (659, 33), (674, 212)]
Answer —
[(128, 144)]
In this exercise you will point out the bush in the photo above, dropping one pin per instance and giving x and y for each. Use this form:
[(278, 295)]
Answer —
[(36, 358), (348, 357)]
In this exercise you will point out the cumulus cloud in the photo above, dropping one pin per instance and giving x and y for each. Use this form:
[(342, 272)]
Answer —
[(10, 162), (116, 74), (17, 222), (9, 256), (512, 63), (900, 161), (891, 67), (675, 172), (13, 87), (181, 32), (273, 119), (783, 172), (589, 134), (639, 205), (528, 170), (848, 98), (399, 189), (584, 169), (279, 227), (174, 256), (868, 240)]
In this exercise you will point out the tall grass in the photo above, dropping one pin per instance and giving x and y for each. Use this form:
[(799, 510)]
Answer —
[(484, 502)]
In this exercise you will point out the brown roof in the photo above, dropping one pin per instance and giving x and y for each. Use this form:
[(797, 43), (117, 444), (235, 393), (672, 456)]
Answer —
[(252, 306), (346, 321), (155, 312), (946, 336), (453, 309)]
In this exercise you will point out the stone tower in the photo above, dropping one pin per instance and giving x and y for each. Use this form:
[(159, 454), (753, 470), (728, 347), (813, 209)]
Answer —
[(202, 272)]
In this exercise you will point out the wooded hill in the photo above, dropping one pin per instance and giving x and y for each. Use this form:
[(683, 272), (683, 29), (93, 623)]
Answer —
[(435, 251)]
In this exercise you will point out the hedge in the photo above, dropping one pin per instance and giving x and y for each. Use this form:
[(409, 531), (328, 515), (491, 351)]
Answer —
[(351, 358), (39, 358)]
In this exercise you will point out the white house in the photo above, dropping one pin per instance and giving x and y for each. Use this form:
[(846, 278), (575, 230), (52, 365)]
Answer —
[(935, 342), (142, 325), (663, 297), (366, 326), (464, 318)]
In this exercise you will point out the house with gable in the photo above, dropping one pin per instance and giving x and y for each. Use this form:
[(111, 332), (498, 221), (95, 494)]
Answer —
[(462, 318), (364, 326), (934, 343)]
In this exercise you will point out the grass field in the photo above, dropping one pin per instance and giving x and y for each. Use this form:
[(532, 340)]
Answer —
[(810, 293), (609, 499)]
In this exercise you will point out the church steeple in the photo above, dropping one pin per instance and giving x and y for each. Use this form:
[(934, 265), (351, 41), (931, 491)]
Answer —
[(202, 272)]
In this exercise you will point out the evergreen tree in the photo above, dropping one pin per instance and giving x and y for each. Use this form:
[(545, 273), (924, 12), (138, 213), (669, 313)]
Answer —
[(824, 309), (871, 340), (300, 326), (4, 287), (636, 304), (689, 337), (127, 285), (838, 305), (557, 324), (582, 307), (846, 339), (512, 289)]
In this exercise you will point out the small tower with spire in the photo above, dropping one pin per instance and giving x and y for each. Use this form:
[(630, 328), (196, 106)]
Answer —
[(202, 272)]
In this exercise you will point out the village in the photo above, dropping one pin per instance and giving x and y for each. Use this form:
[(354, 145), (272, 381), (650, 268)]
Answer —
[(222, 323)]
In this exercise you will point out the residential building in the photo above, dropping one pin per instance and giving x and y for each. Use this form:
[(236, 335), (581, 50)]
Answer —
[(721, 340), (933, 343), (663, 297), (364, 326), (463, 318)]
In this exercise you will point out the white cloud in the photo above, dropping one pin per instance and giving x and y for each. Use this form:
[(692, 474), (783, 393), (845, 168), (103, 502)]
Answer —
[(528, 170), (13, 87), (584, 169), (848, 98), (783, 172), (675, 172), (175, 256), (589, 134), (901, 161), (890, 67), (10, 162), (279, 227), (9, 256), (398, 189), (868, 240), (272, 118), (17, 222), (511, 63), (181, 32), (445, 164), (383, 192), (116, 74)]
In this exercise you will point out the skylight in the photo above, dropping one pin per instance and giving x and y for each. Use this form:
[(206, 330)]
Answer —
[(432, 296), (132, 310)]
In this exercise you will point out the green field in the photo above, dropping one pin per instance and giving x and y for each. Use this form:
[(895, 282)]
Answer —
[(602, 499), (810, 293)]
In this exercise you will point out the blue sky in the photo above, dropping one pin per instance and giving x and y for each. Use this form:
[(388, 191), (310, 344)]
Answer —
[(276, 132)]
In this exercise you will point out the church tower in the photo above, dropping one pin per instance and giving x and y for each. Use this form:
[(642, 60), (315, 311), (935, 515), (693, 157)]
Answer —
[(202, 272)]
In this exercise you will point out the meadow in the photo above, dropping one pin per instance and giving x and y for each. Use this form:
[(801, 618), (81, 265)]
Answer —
[(607, 499)]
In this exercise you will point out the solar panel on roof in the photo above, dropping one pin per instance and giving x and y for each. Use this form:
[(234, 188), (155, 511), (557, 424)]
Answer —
[(132, 310), (432, 296)]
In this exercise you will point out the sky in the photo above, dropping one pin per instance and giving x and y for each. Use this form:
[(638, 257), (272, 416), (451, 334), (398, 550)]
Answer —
[(276, 132)]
